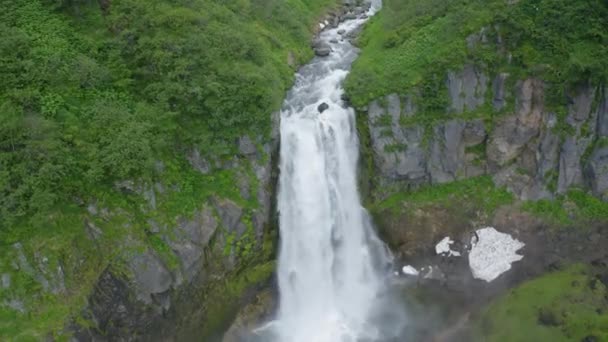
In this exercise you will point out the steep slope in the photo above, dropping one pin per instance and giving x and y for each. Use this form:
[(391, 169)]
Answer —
[(136, 152), (488, 113), (455, 90)]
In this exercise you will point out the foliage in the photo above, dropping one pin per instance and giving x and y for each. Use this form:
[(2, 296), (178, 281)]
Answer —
[(479, 192), (410, 42), (576, 206), (93, 93), (568, 305)]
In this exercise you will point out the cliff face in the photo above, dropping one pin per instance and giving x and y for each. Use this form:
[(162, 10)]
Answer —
[(522, 148), (464, 93), (218, 254), (479, 114)]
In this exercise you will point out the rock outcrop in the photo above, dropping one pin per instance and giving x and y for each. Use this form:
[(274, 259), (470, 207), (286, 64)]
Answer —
[(165, 293), (529, 149)]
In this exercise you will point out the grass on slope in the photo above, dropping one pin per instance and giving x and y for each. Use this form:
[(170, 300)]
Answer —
[(412, 43), (479, 192), (567, 305), (576, 206)]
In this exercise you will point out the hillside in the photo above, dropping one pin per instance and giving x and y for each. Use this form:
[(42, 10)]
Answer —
[(134, 135), (491, 113)]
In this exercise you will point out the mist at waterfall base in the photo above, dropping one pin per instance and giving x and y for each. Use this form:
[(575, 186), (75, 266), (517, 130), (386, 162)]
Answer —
[(332, 268)]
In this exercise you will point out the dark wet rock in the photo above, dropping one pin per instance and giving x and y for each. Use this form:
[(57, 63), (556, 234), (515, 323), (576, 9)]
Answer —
[(350, 16), (548, 317), (322, 49), (322, 107), (115, 312), (341, 31), (251, 316), (602, 114), (499, 90)]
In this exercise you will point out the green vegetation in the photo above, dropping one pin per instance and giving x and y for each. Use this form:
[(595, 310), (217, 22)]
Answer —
[(479, 192), (98, 92), (576, 206), (567, 305), (224, 298), (412, 44)]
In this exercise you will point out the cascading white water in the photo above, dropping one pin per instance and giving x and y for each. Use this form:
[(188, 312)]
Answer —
[(332, 267)]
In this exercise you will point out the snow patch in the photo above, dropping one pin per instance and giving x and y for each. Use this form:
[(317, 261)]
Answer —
[(443, 247), (409, 270), (492, 253)]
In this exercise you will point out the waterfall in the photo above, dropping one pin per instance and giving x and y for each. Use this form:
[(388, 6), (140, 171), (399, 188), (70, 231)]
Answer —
[(332, 268)]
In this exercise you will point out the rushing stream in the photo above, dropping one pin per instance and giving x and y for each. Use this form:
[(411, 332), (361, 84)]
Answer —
[(332, 268)]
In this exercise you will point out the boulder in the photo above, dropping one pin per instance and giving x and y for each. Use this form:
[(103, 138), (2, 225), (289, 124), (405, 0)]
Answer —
[(349, 16), (322, 107), (322, 49)]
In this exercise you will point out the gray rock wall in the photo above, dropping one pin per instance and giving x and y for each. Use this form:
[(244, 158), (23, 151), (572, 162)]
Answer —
[(529, 149)]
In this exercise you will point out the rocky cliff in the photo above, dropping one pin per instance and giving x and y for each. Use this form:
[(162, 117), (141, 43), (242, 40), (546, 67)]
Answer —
[(508, 131), (218, 254)]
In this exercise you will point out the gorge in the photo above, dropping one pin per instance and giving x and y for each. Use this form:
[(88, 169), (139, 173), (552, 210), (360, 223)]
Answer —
[(178, 170)]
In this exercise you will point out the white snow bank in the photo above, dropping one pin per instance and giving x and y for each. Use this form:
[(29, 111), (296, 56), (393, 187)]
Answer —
[(444, 247), (409, 270), (492, 254)]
